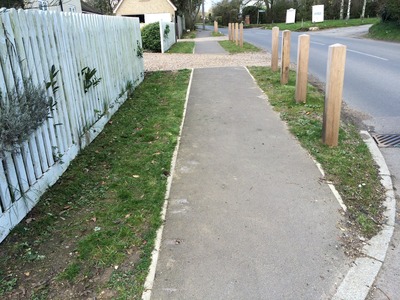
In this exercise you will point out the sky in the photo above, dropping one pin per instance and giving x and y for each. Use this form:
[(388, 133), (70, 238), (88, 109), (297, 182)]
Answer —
[(208, 5)]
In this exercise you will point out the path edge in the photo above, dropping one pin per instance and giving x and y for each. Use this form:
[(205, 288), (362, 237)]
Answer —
[(364, 270), (148, 285)]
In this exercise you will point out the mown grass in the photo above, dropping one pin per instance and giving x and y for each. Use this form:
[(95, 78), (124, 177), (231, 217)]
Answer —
[(232, 48), (106, 208), (327, 24), (182, 47), (189, 35), (349, 166), (217, 33), (386, 31)]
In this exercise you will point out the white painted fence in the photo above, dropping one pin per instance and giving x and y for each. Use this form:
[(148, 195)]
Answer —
[(167, 35), (30, 43), (180, 26)]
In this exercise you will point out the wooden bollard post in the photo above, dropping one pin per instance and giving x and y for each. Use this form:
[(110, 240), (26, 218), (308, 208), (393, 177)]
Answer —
[(241, 35), (275, 46), (237, 34), (302, 68), (215, 26), (285, 57), (333, 94), (229, 31)]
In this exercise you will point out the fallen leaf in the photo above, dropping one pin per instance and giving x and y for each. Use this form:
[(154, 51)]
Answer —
[(29, 220), (27, 274), (127, 216), (135, 176)]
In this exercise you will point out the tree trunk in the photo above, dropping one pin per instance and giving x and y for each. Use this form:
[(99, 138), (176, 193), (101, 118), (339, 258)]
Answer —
[(341, 10), (348, 10), (363, 9)]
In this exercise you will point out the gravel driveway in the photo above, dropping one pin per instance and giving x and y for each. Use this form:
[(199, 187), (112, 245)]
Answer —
[(165, 61)]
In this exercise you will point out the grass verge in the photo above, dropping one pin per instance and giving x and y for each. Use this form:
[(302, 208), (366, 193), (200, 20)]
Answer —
[(232, 48), (349, 166), (217, 33), (189, 35), (304, 26), (91, 235), (386, 31), (182, 47)]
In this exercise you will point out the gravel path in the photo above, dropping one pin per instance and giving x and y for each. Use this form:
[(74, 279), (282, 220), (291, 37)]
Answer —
[(165, 61)]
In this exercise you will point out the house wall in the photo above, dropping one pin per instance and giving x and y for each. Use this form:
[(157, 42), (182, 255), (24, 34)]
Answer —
[(151, 18), (139, 7), (68, 3), (54, 5)]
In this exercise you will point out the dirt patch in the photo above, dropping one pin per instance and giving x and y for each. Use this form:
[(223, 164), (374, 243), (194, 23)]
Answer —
[(38, 263)]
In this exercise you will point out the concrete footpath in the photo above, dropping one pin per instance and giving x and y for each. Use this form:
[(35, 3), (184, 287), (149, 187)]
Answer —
[(248, 215)]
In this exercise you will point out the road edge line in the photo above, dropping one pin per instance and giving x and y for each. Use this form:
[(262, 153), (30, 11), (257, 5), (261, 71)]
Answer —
[(148, 284), (362, 274)]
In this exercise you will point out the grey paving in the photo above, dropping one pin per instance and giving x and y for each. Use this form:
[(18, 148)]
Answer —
[(206, 46), (248, 216)]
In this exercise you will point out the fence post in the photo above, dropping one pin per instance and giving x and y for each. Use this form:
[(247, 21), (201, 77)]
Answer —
[(285, 57), (302, 68), (215, 26), (333, 94), (275, 45), (229, 31), (241, 35), (237, 34)]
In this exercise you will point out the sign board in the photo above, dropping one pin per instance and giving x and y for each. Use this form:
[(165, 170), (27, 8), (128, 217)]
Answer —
[(290, 16), (317, 13)]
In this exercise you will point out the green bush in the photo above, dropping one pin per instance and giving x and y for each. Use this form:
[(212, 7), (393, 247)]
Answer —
[(151, 37)]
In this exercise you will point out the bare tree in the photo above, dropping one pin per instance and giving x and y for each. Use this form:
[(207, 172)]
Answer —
[(348, 10), (341, 10), (363, 9)]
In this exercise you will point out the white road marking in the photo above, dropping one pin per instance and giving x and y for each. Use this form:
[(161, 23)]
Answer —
[(318, 43), (366, 54)]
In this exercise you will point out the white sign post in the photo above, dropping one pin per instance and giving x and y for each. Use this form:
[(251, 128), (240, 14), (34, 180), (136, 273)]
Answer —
[(290, 16), (317, 13)]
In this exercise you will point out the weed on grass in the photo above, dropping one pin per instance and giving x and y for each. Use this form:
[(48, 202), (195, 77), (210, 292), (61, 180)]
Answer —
[(232, 48), (349, 166), (91, 235)]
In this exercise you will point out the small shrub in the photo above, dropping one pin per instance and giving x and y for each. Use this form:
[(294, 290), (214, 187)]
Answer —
[(166, 32), (151, 37), (21, 113), (89, 78)]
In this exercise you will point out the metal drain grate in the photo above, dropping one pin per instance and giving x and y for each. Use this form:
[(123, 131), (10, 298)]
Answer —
[(387, 140)]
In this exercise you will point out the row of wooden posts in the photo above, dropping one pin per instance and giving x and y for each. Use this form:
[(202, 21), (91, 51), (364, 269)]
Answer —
[(235, 32), (334, 78), (334, 74)]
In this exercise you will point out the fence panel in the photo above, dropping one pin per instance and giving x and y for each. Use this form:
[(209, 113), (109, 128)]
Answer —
[(167, 35), (54, 52)]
